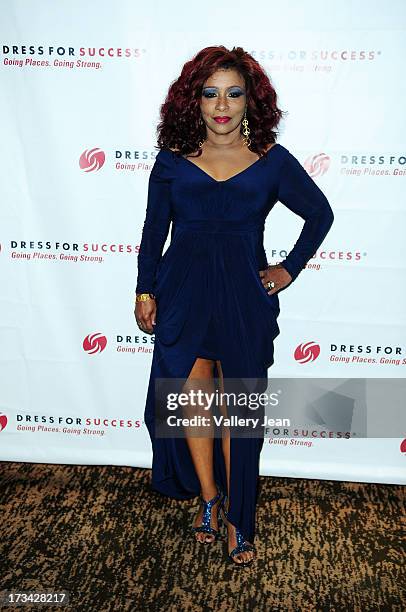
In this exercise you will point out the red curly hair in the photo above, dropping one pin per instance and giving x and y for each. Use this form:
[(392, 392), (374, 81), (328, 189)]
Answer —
[(180, 126)]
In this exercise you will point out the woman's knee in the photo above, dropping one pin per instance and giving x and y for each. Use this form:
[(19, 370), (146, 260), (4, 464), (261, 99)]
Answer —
[(200, 379), (202, 368)]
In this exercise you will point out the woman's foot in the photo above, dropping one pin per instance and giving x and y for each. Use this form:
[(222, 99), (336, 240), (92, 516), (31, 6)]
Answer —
[(245, 556), (210, 520)]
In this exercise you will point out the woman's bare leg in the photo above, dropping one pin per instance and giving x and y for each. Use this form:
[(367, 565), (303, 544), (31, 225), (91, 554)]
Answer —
[(201, 448), (232, 540)]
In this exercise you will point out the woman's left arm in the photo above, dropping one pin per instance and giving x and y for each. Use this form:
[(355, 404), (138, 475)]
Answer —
[(298, 192)]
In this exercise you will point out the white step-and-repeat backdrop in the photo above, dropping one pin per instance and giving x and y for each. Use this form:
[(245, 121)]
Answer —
[(81, 89)]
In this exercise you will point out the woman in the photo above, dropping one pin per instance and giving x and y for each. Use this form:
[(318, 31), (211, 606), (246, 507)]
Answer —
[(211, 300)]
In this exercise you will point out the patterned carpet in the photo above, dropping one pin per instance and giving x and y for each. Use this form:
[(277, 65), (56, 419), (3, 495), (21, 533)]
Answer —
[(101, 534)]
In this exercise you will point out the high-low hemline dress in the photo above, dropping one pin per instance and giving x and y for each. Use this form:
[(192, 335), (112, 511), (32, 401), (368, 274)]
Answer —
[(210, 299)]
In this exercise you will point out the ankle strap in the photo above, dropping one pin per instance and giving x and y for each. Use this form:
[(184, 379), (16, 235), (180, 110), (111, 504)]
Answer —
[(211, 502)]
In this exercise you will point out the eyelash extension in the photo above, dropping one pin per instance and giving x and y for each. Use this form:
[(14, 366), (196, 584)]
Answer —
[(208, 94)]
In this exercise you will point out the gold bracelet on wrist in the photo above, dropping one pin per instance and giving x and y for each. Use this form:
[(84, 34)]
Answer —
[(143, 297)]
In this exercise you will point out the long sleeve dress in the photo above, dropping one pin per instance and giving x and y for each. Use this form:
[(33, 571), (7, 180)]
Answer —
[(210, 298)]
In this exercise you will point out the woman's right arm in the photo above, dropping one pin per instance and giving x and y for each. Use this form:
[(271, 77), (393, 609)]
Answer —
[(154, 233), (156, 224)]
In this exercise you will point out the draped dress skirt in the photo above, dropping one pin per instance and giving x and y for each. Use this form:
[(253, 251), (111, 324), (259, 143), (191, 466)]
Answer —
[(210, 299)]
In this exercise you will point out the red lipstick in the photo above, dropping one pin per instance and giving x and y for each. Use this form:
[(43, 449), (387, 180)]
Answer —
[(221, 119)]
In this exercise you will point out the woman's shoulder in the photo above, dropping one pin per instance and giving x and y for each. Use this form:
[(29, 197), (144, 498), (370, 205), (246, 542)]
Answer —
[(275, 156), (168, 150), (276, 146), (167, 154), (164, 165)]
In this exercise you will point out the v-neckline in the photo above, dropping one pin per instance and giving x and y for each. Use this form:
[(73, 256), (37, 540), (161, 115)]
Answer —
[(234, 175)]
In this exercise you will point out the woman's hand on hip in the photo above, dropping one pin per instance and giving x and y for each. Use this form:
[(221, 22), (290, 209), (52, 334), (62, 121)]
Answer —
[(276, 273), (145, 313)]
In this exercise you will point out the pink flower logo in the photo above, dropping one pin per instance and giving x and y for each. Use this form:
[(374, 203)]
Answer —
[(94, 343), (92, 159), (307, 351), (317, 165), (3, 421)]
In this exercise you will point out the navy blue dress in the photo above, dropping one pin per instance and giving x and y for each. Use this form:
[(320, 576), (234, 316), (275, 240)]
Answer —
[(210, 298)]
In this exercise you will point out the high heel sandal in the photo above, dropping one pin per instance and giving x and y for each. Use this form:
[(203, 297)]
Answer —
[(206, 527), (242, 545)]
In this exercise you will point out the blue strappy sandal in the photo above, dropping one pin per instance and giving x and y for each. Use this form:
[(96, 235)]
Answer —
[(242, 545), (206, 527)]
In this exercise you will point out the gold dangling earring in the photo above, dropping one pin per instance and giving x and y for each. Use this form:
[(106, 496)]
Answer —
[(201, 141), (246, 130)]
